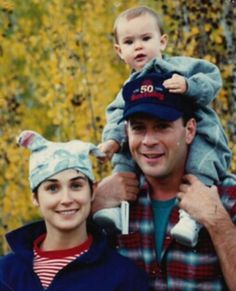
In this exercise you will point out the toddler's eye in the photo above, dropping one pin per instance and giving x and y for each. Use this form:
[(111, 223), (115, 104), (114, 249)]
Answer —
[(128, 41), (146, 38)]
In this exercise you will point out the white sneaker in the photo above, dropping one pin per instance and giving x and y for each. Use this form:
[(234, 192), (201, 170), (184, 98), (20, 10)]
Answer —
[(114, 219), (186, 230), (109, 219)]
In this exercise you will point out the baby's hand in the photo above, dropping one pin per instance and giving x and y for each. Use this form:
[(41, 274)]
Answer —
[(176, 84), (108, 148)]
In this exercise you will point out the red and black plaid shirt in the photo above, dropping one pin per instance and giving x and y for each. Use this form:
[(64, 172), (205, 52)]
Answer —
[(181, 267)]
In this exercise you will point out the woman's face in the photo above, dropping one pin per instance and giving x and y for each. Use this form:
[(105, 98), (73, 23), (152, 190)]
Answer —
[(64, 201)]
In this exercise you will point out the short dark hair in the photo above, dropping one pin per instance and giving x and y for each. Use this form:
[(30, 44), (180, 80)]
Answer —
[(190, 112)]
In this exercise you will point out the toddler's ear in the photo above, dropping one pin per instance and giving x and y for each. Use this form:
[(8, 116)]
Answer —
[(118, 50), (163, 42)]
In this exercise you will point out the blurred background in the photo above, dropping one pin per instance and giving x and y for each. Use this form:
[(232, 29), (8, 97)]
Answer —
[(58, 72)]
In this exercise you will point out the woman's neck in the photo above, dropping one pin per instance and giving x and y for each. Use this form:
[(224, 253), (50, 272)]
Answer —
[(63, 240)]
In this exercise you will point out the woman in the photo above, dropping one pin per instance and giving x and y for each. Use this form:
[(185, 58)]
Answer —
[(63, 252)]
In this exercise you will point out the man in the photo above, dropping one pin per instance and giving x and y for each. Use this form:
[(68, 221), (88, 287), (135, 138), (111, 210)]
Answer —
[(160, 128)]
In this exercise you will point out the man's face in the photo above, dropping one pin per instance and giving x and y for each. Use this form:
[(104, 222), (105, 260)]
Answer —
[(160, 147), (139, 41)]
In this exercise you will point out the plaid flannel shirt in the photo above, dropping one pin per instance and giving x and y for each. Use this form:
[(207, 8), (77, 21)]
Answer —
[(181, 267)]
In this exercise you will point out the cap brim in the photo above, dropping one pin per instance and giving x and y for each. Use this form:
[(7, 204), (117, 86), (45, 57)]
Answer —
[(161, 112)]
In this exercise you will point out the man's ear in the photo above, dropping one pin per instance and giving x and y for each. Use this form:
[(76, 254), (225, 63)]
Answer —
[(35, 199), (163, 42), (118, 50), (126, 125), (191, 128)]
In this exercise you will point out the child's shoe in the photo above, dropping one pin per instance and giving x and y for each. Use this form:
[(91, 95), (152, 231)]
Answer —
[(114, 220), (186, 230), (109, 219)]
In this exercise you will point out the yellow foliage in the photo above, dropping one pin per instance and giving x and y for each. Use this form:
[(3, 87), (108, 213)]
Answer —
[(195, 30)]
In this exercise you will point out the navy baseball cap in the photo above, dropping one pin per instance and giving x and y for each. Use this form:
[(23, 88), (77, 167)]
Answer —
[(147, 95)]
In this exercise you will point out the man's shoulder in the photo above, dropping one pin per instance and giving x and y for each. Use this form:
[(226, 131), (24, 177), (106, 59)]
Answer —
[(228, 198), (227, 190)]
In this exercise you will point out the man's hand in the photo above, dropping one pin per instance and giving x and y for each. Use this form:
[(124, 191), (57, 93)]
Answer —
[(115, 188), (176, 84), (201, 202)]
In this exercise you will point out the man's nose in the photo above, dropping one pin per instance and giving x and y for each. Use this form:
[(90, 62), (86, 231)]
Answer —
[(150, 139)]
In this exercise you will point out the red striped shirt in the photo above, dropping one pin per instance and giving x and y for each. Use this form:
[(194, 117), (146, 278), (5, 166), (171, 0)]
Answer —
[(48, 263)]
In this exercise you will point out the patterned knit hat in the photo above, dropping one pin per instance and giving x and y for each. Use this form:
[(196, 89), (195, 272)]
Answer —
[(49, 158)]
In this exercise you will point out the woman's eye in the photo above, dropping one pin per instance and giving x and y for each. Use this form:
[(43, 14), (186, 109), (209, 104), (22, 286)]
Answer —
[(76, 186), (52, 188)]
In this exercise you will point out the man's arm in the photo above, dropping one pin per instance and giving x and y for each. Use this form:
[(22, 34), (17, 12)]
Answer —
[(223, 234), (204, 205)]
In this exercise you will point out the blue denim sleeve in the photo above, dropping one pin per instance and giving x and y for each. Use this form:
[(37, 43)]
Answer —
[(122, 161), (209, 155), (114, 113)]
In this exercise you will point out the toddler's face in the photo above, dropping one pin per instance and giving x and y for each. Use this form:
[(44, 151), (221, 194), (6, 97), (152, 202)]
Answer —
[(139, 41)]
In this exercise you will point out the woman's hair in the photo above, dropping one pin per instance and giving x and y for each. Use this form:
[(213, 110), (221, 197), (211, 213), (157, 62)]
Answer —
[(136, 12)]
